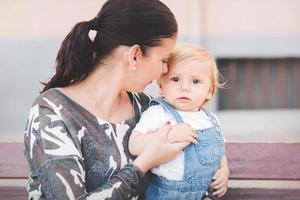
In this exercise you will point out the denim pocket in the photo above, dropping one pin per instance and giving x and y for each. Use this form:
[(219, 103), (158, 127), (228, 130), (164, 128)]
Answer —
[(210, 152)]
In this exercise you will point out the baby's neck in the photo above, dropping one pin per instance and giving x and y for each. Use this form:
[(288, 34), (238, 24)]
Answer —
[(188, 110)]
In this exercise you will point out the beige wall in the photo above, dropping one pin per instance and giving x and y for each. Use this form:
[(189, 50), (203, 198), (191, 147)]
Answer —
[(44, 19), (32, 30), (54, 18), (252, 17)]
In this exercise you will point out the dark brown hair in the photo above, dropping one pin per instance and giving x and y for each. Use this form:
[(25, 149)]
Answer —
[(119, 22)]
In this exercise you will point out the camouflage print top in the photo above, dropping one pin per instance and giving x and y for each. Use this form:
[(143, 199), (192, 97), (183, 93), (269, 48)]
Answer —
[(73, 154)]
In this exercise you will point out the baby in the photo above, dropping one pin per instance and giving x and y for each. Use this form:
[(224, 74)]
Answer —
[(187, 87)]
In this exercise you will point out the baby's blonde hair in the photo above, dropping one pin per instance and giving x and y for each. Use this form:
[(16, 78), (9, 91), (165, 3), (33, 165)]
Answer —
[(189, 51)]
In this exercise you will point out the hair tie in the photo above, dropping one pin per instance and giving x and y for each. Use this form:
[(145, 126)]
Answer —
[(94, 24)]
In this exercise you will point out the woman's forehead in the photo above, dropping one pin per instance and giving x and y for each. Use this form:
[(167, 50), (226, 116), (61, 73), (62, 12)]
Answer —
[(165, 48)]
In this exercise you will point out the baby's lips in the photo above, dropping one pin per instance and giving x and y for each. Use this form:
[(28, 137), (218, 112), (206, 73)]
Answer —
[(168, 122)]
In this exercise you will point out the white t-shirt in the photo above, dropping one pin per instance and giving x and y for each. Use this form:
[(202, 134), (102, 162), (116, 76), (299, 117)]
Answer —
[(156, 116)]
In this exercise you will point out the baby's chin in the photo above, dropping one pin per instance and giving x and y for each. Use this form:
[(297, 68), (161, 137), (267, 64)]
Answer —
[(185, 108)]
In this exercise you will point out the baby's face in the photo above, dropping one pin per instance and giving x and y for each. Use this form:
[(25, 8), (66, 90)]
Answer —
[(187, 84)]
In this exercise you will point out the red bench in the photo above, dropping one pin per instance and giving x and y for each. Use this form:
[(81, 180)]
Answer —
[(259, 171), (264, 171), (13, 171)]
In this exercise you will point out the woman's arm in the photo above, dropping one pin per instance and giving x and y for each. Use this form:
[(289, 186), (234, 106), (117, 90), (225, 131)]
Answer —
[(177, 133), (149, 127), (221, 178), (57, 168)]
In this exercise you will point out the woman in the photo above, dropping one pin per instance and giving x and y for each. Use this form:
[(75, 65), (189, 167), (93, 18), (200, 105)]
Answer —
[(78, 128)]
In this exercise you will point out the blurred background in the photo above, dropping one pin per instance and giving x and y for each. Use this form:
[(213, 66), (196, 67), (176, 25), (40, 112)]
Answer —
[(255, 42)]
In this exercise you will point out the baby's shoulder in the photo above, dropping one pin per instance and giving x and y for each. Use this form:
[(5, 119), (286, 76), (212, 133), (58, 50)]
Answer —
[(211, 115), (156, 109)]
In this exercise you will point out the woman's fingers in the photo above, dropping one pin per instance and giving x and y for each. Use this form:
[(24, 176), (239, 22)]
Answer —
[(219, 183), (216, 179), (164, 130), (192, 140), (220, 192), (178, 146), (194, 134)]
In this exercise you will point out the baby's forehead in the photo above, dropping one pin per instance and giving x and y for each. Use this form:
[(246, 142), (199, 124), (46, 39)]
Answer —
[(189, 64), (193, 67)]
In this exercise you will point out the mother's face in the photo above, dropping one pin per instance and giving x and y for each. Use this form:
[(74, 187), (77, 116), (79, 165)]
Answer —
[(150, 66)]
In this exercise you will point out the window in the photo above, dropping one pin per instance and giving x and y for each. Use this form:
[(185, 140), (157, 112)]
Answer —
[(260, 83)]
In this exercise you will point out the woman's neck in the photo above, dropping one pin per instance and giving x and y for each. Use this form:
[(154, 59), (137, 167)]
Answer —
[(104, 89), (101, 93)]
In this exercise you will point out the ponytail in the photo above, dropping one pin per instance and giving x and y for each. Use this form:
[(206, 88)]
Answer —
[(75, 57), (119, 22)]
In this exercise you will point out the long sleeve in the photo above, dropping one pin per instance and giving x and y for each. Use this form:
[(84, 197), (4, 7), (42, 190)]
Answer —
[(56, 163)]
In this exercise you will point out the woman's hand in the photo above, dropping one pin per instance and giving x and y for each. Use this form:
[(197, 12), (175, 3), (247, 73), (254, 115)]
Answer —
[(182, 133), (158, 150), (220, 178)]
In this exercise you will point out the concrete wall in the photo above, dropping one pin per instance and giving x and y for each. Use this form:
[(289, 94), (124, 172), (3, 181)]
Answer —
[(31, 32)]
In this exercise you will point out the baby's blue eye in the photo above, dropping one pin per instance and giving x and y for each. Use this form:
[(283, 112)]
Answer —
[(195, 81), (175, 79)]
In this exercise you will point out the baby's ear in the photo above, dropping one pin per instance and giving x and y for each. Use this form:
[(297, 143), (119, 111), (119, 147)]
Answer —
[(210, 93), (209, 96), (158, 81)]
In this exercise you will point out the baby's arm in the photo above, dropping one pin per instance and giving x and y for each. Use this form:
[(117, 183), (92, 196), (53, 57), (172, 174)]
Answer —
[(138, 141), (146, 129)]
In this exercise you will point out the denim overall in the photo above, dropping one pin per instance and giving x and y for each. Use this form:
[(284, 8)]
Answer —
[(201, 161)]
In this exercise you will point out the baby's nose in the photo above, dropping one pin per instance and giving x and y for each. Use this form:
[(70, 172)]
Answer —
[(185, 86)]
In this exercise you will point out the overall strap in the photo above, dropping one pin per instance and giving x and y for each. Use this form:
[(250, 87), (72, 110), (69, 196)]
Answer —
[(168, 107), (212, 119)]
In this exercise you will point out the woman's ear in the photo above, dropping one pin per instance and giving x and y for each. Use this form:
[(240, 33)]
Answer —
[(135, 54)]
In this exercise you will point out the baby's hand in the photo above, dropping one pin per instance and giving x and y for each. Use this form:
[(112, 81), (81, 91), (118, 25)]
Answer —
[(182, 133)]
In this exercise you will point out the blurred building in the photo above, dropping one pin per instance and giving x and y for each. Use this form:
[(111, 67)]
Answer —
[(256, 44)]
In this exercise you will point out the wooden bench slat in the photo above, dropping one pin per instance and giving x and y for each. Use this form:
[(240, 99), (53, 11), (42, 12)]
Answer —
[(13, 193), (13, 163), (246, 161), (266, 161), (19, 193), (262, 194)]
